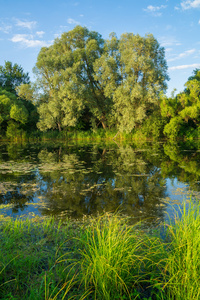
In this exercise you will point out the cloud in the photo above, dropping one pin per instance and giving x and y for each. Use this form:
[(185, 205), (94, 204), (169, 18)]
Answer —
[(40, 33), (26, 24), (182, 67), (72, 21), (188, 4), (168, 49), (155, 10), (183, 54), (28, 41), (5, 28), (167, 41)]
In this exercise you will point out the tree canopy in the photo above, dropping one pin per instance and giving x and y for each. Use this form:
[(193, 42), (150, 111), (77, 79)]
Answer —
[(16, 112), (12, 76), (183, 111), (116, 81)]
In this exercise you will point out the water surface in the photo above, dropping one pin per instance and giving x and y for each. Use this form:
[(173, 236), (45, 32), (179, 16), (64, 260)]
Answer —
[(139, 180)]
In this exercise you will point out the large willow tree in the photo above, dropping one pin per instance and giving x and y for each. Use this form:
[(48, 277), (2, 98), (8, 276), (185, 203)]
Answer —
[(133, 71), (65, 73), (117, 82)]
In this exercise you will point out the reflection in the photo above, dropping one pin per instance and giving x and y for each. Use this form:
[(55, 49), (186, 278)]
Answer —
[(76, 180), (107, 180), (183, 163)]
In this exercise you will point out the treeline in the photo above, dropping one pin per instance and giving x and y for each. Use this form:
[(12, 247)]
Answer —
[(85, 82)]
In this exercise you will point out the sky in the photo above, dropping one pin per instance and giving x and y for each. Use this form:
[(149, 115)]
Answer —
[(26, 26)]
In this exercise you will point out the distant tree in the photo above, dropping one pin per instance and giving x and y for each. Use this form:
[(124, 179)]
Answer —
[(12, 111), (28, 96), (183, 111), (17, 110), (12, 76)]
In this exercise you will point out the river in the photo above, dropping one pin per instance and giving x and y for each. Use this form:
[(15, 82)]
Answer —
[(145, 181)]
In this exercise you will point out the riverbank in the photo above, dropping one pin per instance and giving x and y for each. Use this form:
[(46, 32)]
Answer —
[(74, 135), (100, 258)]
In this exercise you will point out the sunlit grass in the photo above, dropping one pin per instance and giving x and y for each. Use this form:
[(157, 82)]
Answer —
[(100, 258), (182, 267), (110, 257)]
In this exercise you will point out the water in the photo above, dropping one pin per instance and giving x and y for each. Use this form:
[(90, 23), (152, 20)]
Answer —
[(139, 180)]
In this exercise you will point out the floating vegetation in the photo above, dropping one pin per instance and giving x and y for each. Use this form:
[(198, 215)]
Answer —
[(78, 179)]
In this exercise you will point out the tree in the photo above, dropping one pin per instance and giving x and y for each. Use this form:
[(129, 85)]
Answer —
[(183, 111), (65, 73), (117, 81), (17, 113), (28, 95), (12, 112), (12, 76), (133, 72)]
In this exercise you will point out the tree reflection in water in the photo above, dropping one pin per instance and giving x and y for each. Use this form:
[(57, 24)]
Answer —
[(80, 180)]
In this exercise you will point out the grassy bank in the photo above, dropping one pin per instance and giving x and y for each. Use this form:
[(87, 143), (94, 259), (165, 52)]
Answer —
[(99, 258), (75, 135)]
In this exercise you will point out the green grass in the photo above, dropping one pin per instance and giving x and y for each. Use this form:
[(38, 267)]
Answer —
[(182, 266), (28, 256), (100, 258)]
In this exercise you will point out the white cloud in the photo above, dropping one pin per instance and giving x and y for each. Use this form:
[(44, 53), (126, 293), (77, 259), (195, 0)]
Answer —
[(26, 24), (199, 22), (40, 33), (155, 10), (72, 21), (28, 41), (168, 49), (168, 41), (187, 4), (5, 28), (181, 67), (183, 54)]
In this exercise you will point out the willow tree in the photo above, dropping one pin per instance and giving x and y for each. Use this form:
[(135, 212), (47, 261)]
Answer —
[(66, 75), (133, 71), (117, 81)]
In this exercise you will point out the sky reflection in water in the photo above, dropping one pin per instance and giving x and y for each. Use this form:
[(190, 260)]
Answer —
[(140, 181)]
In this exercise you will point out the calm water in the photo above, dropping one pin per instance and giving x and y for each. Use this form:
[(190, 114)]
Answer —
[(141, 180)]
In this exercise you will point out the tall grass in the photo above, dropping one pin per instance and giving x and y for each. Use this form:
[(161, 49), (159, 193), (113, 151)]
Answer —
[(182, 267), (28, 260), (101, 258), (112, 258)]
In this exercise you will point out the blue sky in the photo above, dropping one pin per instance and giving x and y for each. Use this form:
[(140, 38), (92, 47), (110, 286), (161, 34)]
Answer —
[(26, 26)]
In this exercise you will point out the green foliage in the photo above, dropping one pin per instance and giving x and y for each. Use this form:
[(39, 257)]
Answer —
[(152, 126), (67, 79), (17, 113), (12, 76), (14, 132), (182, 268), (100, 258), (183, 111), (117, 82)]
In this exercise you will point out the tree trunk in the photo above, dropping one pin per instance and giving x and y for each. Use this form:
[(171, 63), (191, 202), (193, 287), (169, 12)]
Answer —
[(59, 127), (103, 122)]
